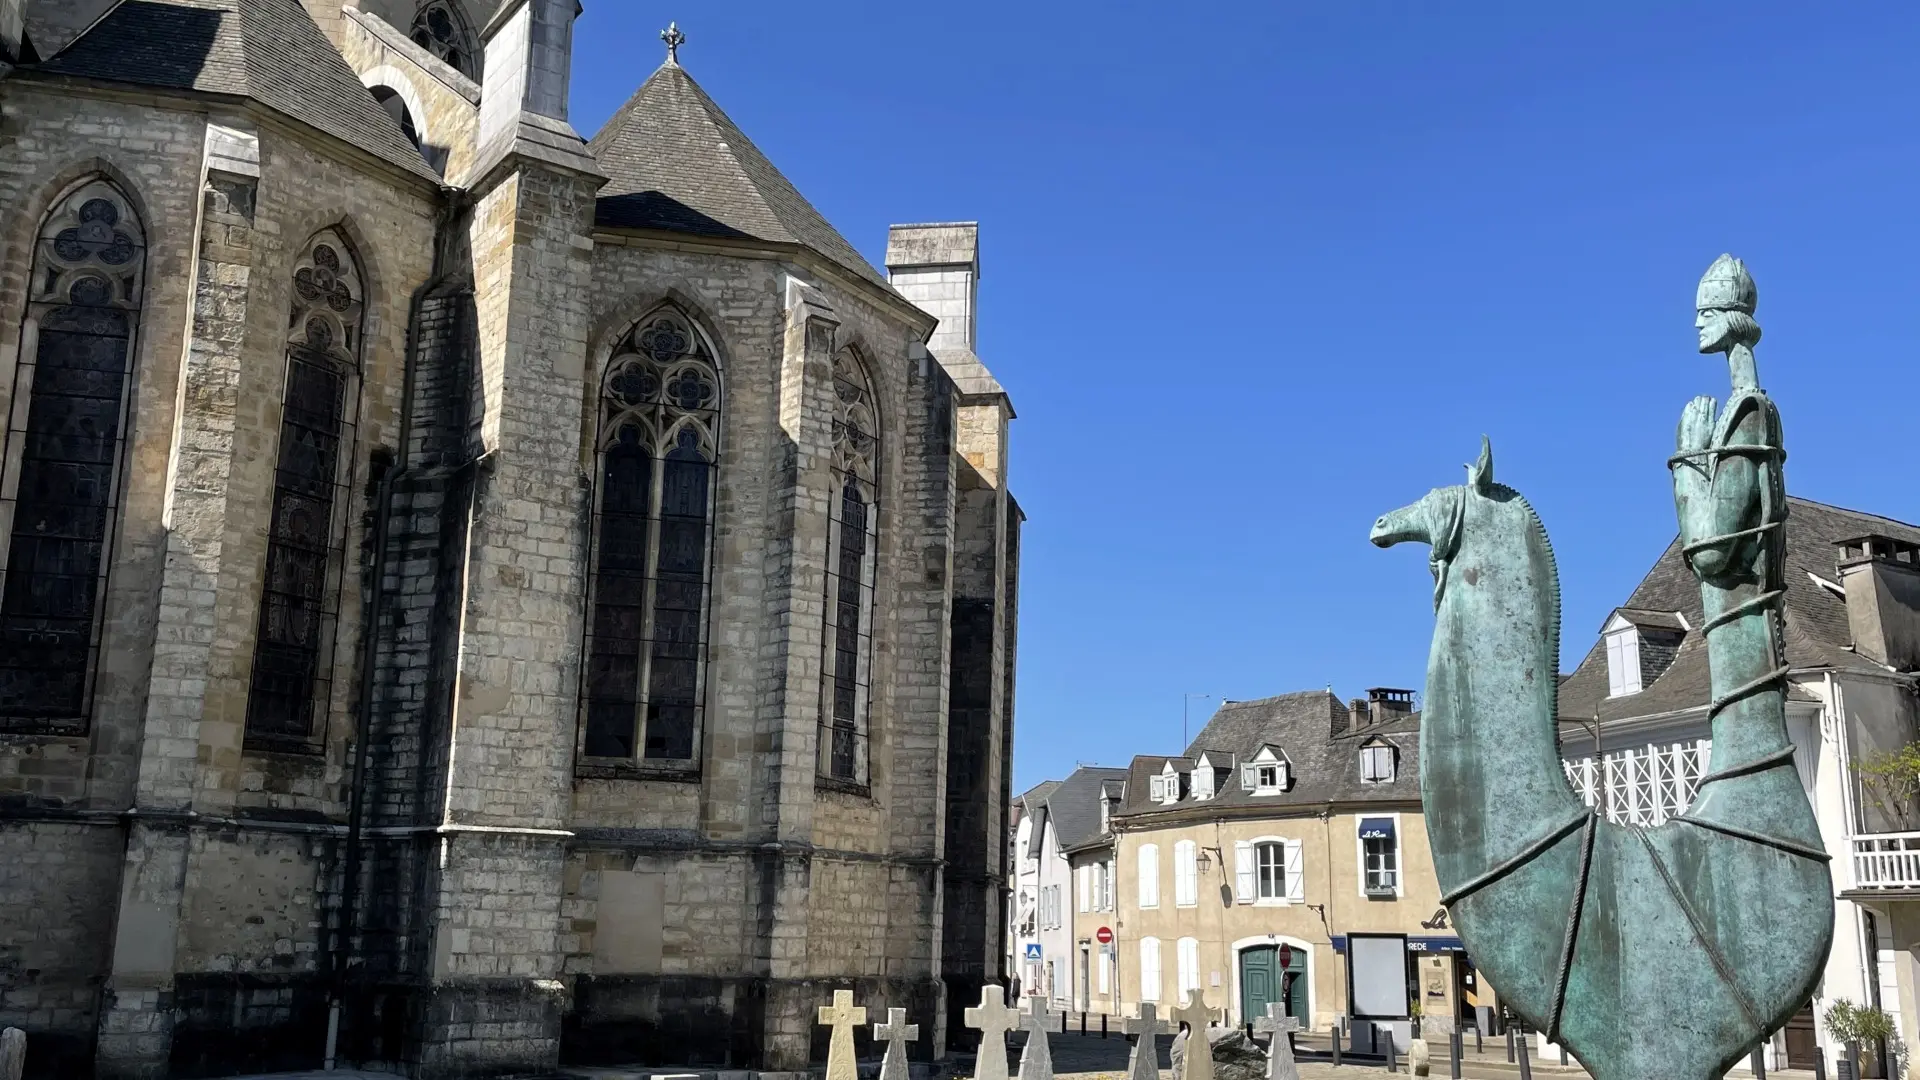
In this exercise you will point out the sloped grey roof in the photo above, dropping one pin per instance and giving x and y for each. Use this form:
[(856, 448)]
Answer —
[(674, 161), (1817, 634), (267, 50), (1036, 796), (1075, 805), (53, 24), (1326, 767)]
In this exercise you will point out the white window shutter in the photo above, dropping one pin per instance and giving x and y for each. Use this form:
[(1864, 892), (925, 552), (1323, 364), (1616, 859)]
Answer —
[(1185, 872), (1243, 871), (1156, 788), (1149, 969), (1249, 777), (1296, 881), (1085, 873), (1149, 875)]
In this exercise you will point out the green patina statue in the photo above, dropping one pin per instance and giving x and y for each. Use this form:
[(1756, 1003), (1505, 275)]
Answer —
[(1648, 953)]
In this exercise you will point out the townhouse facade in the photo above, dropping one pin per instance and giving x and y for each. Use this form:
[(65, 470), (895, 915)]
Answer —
[(1283, 858)]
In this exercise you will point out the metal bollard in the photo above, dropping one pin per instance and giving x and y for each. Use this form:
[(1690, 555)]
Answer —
[(1455, 1047), (1103, 1025), (1391, 1067), (1479, 1040), (1563, 1055), (1758, 1061), (1337, 1040), (1509, 1046), (1819, 1063), (1526, 1062)]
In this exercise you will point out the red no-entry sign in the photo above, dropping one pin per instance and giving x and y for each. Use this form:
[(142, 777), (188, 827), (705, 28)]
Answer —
[(1104, 936)]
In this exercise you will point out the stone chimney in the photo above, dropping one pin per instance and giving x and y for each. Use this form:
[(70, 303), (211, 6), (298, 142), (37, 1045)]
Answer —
[(529, 50), (13, 29), (1385, 703), (937, 267), (1881, 577)]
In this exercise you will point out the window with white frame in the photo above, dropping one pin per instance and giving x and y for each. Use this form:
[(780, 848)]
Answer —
[(1270, 871), (1266, 774), (1149, 969), (1149, 869), (1186, 874), (1202, 782), (1083, 878), (1106, 885), (1623, 661), (1189, 966), (1379, 856), (1377, 763), (1157, 788)]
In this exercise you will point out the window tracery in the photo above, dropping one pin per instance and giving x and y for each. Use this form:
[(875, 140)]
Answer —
[(658, 446), (846, 671), (439, 28), (60, 473), (299, 597)]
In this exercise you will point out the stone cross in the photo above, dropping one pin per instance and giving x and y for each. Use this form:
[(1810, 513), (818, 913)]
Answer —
[(1144, 1062), (842, 1017), (896, 1033), (1036, 1061), (992, 1019), (674, 39), (1194, 1012), (1280, 1063), (13, 1053)]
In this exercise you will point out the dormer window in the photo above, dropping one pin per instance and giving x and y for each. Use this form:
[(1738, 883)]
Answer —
[(1377, 762), (1623, 661), (1165, 788), (1266, 773), (1203, 783)]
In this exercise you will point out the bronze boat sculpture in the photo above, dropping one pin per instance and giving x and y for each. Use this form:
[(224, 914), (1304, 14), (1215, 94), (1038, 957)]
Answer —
[(1666, 952)]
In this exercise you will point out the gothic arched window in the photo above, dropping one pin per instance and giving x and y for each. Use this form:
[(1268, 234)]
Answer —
[(439, 28), (853, 531), (299, 598), (60, 469), (658, 443)]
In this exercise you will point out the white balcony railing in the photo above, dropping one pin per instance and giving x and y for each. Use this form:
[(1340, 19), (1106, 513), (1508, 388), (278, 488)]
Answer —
[(1887, 861)]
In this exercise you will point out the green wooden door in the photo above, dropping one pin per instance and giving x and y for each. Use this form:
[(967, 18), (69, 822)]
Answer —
[(1259, 980), (1293, 986)]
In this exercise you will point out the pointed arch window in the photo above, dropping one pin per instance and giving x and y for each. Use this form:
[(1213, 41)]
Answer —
[(439, 28), (60, 463), (300, 596), (853, 523), (651, 579)]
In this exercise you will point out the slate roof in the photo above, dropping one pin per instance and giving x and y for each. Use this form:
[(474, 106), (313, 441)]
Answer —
[(1325, 766), (674, 161), (1074, 805), (266, 50), (1817, 634)]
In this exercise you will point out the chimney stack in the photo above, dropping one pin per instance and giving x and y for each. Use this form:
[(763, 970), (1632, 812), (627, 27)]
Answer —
[(1881, 577), (529, 48), (1385, 703), (937, 267)]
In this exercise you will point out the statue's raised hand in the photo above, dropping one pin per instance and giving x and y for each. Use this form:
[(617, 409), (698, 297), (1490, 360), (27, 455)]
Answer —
[(1696, 425)]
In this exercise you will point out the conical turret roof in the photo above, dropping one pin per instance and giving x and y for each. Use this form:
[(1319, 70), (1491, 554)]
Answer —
[(676, 162)]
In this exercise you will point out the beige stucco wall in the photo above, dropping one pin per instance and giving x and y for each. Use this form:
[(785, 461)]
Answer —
[(1332, 903)]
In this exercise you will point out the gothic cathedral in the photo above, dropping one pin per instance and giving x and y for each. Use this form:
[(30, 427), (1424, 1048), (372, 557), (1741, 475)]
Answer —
[(473, 599)]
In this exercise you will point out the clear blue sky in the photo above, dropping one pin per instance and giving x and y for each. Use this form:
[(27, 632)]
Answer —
[(1254, 273)]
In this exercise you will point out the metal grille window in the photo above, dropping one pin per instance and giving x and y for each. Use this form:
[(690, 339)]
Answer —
[(652, 547), (1270, 871), (846, 671), (299, 599), (439, 28), (1641, 785), (60, 466)]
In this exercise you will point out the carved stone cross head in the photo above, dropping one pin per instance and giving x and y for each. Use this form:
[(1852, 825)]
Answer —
[(1147, 1023), (1041, 1017), (992, 1019), (896, 1029), (842, 1013), (1276, 1022), (1194, 1012)]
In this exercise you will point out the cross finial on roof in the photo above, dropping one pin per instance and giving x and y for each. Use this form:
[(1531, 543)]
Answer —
[(674, 39)]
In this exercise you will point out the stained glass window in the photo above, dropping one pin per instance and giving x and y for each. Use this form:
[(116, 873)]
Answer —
[(846, 668), (60, 472), (299, 598), (653, 538), (439, 28)]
